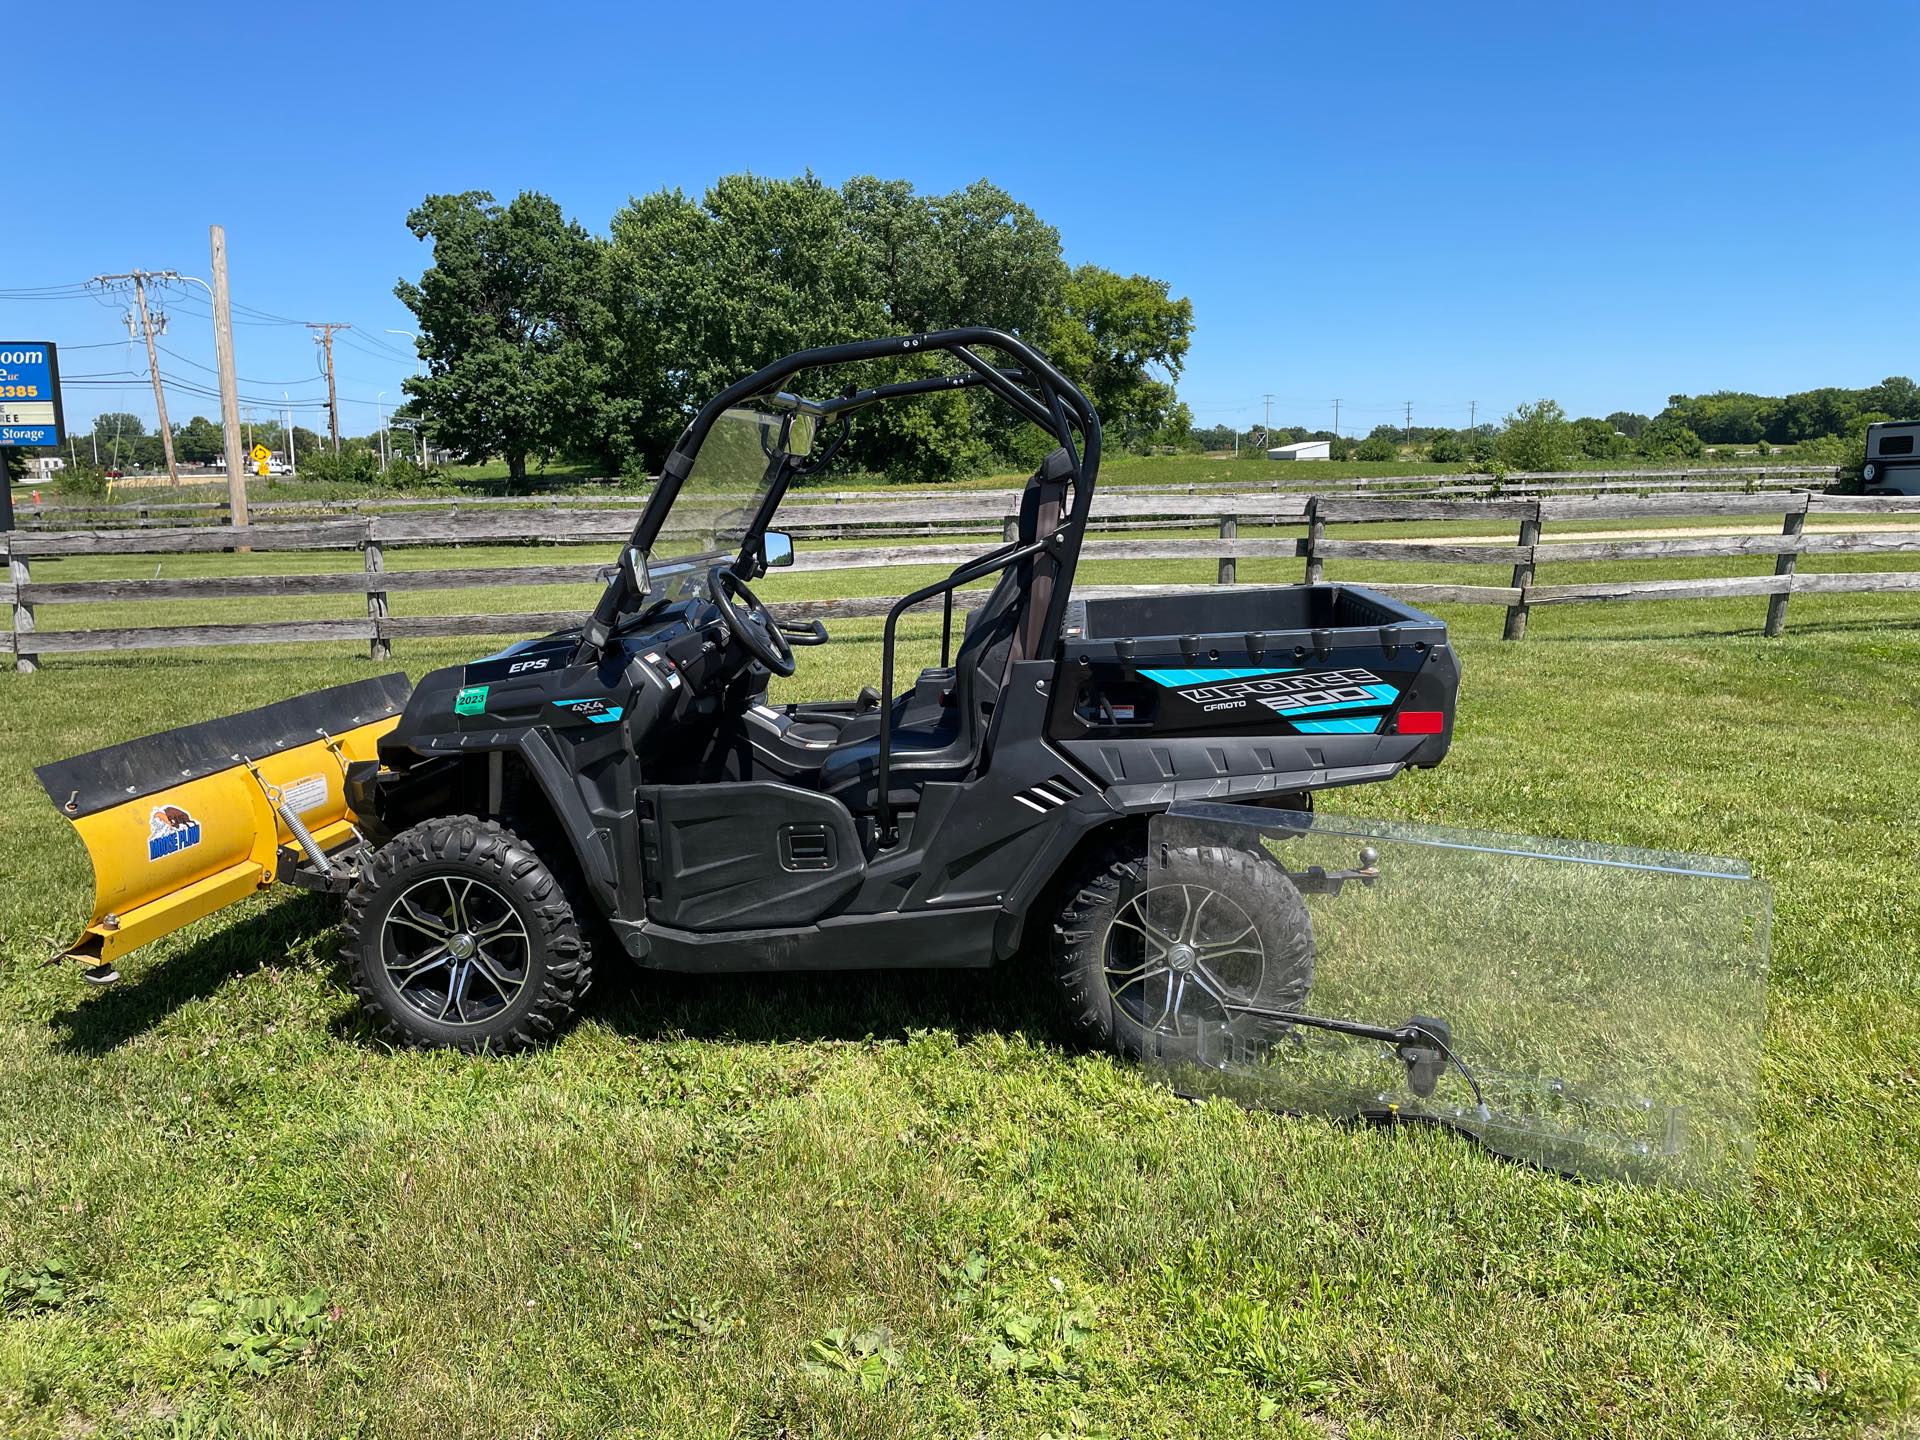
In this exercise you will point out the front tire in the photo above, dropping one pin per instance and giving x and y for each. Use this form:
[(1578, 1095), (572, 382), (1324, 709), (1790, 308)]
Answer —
[(1150, 953), (459, 935)]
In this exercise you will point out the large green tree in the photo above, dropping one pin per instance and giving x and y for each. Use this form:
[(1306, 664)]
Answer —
[(1124, 339), (198, 441), (540, 338), (511, 312)]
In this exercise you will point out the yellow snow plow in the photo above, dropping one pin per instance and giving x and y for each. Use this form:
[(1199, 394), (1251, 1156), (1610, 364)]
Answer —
[(188, 821)]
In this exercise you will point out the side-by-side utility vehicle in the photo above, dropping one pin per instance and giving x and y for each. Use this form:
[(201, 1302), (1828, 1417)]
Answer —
[(626, 792)]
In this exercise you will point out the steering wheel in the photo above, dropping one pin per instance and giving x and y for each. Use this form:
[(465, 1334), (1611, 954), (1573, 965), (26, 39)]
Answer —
[(754, 628)]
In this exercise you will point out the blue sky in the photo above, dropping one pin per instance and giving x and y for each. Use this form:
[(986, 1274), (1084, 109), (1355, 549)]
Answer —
[(1380, 202)]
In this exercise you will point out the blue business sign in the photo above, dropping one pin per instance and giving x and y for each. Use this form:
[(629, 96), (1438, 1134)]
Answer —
[(29, 393)]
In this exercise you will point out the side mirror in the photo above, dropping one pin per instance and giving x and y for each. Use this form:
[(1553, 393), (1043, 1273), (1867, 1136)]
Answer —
[(633, 563), (798, 440), (776, 549)]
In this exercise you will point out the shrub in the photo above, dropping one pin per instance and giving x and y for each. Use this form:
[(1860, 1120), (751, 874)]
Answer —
[(1447, 448), (1536, 437), (81, 482), (1376, 448), (1668, 439), (348, 467)]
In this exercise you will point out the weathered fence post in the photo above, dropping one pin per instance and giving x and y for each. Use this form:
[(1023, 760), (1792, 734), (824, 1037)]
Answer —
[(18, 575), (1316, 532), (1010, 528), (1786, 563), (1516, 628), (379, 647), (1229, 571)]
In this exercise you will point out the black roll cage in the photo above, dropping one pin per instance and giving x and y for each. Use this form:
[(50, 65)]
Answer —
[(1033, 388)]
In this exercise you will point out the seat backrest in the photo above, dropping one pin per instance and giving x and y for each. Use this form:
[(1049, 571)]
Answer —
[(1007, 627)]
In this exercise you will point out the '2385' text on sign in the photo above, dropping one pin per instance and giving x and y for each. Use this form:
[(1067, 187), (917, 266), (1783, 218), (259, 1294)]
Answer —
[(29, 394)]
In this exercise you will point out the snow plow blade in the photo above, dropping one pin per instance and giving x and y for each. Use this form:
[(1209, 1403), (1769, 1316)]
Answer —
[(1582, 1008), (189, 821)]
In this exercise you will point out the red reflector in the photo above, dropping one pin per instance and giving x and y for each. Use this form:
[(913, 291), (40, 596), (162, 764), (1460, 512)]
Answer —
[(1420, 722)]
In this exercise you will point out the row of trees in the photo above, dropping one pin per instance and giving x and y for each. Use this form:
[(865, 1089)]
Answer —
[(123, 442), (1735, 417), (1827, 426), (542, 339)]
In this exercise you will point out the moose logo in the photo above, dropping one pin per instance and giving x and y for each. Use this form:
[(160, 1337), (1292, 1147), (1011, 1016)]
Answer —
[(169, 831)]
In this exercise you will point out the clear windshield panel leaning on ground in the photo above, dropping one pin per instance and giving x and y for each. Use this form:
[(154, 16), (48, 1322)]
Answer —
[(1580, 1007)]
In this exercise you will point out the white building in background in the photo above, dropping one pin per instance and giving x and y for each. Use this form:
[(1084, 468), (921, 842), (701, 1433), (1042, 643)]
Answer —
[(45, 467), (1303, 450)]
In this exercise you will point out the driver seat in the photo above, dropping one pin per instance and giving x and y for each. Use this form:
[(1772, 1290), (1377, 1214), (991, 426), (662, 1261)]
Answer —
[(939, 727)]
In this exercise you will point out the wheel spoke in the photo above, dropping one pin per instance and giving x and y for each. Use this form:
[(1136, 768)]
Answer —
[(1193, 926), (1209, 984), (405, 912), (1130, 981), (498, 929), (408, 971), (459, 903), (1144, 936), (489, 970), (1221, 952), (456, 992)]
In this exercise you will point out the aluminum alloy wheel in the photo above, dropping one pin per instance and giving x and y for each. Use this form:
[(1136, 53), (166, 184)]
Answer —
[(1178, 956), (455, 949)]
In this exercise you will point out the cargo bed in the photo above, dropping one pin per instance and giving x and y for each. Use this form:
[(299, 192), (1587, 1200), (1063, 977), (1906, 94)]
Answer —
[(1247, 692)]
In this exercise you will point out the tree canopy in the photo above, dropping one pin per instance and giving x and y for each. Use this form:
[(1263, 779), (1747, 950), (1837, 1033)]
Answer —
[(541, 338), (510, 325)]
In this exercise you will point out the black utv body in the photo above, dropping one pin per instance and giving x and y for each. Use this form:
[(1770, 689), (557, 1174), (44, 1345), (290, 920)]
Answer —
[(628, 784)]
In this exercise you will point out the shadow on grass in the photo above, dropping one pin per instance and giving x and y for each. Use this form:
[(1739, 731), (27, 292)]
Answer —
[(643, 1005), (130, 1008), (1011, 999)]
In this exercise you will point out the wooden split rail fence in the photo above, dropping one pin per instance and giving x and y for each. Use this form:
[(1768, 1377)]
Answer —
[(155, 509), (1321, 518)]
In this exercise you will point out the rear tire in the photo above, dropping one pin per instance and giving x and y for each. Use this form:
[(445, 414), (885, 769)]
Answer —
[(1148, 953), (459, 935)]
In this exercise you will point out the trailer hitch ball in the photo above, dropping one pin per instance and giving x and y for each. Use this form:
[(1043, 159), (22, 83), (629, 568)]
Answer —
[(1369, 857)]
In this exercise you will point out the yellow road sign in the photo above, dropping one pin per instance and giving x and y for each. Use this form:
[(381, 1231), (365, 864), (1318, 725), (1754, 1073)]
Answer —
[(261, 454)]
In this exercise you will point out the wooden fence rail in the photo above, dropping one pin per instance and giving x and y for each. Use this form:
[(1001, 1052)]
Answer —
[(1317, 517), (154, 510)]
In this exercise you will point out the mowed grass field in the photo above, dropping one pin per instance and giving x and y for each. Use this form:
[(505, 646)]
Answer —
[(904, 1204)]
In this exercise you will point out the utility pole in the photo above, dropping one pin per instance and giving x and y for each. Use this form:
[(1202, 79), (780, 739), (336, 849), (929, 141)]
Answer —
[(1409, 424), (1269, 400), (1336, 416), (139, 279), (325, 341), (229, 387), (1473, 414)]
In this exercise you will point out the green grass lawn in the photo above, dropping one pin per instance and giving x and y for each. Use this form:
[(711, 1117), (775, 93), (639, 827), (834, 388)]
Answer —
[(691, 1215)]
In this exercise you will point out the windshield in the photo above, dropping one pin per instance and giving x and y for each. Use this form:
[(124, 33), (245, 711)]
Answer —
[(729, 483)]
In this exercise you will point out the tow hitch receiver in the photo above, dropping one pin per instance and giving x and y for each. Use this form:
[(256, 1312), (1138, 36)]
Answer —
[(1602, 1007), (188, 821)]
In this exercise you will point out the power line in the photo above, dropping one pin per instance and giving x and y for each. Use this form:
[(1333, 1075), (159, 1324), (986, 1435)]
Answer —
[(248, 379)]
